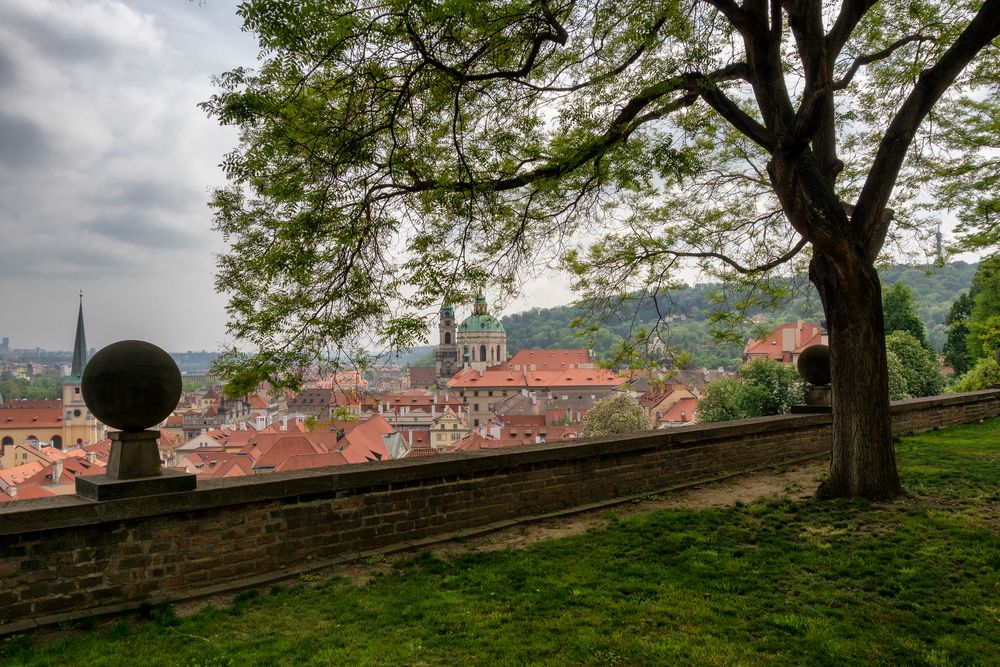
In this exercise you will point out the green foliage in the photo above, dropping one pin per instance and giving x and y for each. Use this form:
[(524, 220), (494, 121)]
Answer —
[(727, 399), (983, 375), (689, 310), (968, 169), (765, 387), (900, 313), (956, 350), (921, 371), (898, 390), (614, 415), (396, 155), (781, 383), (772, 582), (984, 319), (38, 388)]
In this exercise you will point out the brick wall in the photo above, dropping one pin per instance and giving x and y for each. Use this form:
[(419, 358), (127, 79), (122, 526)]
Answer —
[(66, 557)]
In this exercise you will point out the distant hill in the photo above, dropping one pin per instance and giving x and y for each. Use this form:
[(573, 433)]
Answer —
[(194, 362), (689, 309)]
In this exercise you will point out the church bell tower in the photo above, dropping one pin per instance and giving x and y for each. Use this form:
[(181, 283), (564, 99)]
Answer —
[(79, 426), (446, 358)]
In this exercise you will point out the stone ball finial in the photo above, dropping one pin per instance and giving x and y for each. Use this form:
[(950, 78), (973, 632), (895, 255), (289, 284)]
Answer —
[(814, 365), (131, 385)]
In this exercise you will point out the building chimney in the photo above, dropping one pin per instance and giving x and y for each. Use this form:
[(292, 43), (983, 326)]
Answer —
[(57, 472), (91, 457), (12, 491)]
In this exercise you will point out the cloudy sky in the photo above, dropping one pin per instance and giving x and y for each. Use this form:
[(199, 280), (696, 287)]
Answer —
[(105, 168), (106, 165)]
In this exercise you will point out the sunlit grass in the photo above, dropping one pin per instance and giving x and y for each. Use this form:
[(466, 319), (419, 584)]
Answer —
[(780, 581)]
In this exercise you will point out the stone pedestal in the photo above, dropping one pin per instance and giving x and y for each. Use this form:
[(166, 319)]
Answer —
[(133, 454), (817, 401), (133, 470)]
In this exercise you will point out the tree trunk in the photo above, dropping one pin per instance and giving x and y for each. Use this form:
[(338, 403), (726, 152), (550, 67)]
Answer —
[(863, 460)]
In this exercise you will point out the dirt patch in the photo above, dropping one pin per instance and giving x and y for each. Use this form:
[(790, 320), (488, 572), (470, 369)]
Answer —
[(798, 481)]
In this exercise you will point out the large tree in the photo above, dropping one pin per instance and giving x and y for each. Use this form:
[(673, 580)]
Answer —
[(397, 153)]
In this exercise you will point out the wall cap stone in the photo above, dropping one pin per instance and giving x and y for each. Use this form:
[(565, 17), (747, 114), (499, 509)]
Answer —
[(60, 512)]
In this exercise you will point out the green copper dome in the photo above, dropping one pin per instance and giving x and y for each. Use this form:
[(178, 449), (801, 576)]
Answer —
[(480, 323), (480, 320)]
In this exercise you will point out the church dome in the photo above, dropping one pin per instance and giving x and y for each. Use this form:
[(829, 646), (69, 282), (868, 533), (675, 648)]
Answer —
[(480, 320)]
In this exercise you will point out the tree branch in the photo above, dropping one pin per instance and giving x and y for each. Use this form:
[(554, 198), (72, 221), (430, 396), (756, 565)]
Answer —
[(931, 84), (729, 261), (630, 118), (868, 59), (850, 15)]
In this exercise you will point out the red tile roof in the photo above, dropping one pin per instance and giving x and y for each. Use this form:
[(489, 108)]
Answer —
[(594, 378), (304, 461), (687, 406), (416, 438), (549, 359), (787, 340), (32, 491), (32, 404), (16, 475), (40, 418)]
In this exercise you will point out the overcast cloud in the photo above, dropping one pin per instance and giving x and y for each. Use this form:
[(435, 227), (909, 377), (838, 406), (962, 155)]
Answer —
[(106, 165)]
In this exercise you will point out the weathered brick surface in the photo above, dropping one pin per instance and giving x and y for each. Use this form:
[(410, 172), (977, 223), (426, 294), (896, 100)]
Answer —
[(68, 554)]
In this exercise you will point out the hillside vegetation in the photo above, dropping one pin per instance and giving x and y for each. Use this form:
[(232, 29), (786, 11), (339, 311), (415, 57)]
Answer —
[(688, 310)]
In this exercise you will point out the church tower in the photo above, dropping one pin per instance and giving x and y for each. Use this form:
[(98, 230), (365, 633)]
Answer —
[(79, 426), (482, 338), (446, 358)]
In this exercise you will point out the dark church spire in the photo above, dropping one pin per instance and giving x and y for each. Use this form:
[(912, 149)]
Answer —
[(80, 346)]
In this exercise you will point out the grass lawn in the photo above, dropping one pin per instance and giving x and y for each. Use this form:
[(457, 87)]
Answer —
[(773, 582)]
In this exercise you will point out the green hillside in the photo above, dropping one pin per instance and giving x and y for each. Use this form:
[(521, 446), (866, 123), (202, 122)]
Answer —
[(688, 310)]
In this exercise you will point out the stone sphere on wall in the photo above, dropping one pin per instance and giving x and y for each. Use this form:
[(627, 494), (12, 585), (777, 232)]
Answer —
[(131, 385), (814, 365)]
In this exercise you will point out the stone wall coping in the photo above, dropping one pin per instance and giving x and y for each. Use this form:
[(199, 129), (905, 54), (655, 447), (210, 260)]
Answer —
[(60, 512)]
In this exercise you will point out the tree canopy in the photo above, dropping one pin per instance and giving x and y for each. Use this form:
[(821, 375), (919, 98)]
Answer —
[(956, 350), (983, 339), (921, 372), (614, 415), (765, 387), (395, 154), (898, 304)]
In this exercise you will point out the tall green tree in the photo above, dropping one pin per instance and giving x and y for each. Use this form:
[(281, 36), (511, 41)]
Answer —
[(921, 371), (898, 306), (395, 153), (614, 415), (765, 387), (984, 318), (956, 350)]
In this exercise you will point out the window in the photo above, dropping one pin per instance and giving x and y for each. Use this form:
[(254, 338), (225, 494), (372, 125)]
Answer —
[(475, 422), (475, 406), (475, 393), (490, 392), (447, 338), (499, 358), (76, 390), (482, 353)]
